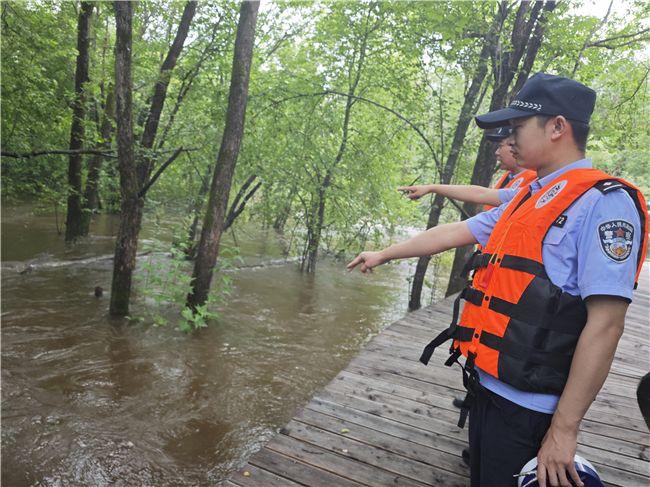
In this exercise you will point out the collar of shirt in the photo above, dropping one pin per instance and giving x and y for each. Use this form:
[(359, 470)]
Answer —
[(541, 182)]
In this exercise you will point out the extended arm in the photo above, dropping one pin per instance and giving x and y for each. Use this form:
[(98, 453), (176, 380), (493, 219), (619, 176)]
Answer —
[(591, 363), (466, 193), (432, 241)]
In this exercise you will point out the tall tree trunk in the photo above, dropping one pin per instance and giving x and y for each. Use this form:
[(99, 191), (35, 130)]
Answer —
[(317, 216), (91, 194), (505, 68), (126, 244), (227, 158), (74, 216), (464, 119), (160, 92), (134, 178)]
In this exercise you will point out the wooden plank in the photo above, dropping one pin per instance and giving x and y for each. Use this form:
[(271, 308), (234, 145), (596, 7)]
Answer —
[(602, 410), (429, 422), (626, 448), (640, 437), (259, 477), (341, 462), (289, 467), (390, 427), (374, 437), (388, 420), (367, 453)]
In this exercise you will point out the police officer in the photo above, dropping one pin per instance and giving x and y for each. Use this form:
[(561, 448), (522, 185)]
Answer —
[(514, 177), (547, 303)]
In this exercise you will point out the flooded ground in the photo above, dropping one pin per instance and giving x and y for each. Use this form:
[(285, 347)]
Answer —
[(87, 400)]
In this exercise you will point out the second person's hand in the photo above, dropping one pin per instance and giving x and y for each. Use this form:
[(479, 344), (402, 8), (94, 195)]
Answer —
[(415, 192)]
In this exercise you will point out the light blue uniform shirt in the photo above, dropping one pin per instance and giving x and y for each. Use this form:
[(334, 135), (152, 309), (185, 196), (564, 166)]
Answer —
[(577, 257)]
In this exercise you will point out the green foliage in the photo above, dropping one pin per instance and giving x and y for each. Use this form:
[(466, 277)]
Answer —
[(164, 281), (418, 59)]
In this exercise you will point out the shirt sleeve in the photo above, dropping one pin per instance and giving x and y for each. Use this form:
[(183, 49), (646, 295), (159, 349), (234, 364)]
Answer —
[(481, 225), (506, 194), (608, 247)]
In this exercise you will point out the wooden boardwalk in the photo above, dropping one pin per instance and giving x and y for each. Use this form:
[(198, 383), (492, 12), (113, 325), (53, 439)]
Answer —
[(386, 419)]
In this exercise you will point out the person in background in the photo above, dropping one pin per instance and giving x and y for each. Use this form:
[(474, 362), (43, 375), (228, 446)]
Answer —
[(513, 178)]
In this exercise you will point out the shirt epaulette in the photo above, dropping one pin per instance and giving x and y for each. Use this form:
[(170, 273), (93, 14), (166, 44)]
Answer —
[(609, 185)]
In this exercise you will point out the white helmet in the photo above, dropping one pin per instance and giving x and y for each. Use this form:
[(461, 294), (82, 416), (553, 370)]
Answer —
[(586, 471)]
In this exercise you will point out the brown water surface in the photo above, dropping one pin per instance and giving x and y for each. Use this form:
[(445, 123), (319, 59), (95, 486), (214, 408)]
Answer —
[(87, 400)]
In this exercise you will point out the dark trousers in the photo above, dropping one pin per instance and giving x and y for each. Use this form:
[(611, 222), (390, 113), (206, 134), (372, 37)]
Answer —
[(503, 437)]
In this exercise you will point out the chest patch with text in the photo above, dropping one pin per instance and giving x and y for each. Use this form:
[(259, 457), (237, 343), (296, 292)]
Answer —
[(551, 193), (516, 183)]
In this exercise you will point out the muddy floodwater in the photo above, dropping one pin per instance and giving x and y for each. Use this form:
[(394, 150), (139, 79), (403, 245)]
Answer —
[(88, 400)]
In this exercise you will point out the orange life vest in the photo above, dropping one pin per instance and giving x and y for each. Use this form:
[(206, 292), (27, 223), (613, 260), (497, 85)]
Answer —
[(516, 324), (519, 180)]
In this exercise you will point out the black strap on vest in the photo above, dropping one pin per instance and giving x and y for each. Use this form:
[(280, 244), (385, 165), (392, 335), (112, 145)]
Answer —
[(476, 261), (470, 382), (524, 264), (558, 361), (455, 332), (463, 334)]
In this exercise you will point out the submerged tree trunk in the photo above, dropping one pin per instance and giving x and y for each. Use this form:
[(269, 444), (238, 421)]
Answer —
[(227, 159), (464, 119), (74, 217), (126, 244), (134, 178), (317, 215), (315, 227), (506, 67)]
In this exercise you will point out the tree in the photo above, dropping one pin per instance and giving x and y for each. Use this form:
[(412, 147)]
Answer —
[(470, 104), (91, 194), (103, 110), (126, 243), (135, 180), (208, 249), (529, 16), (74, 226)]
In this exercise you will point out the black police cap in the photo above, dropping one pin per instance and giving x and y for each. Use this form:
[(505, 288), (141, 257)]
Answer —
[(499, 134), (545, 94)]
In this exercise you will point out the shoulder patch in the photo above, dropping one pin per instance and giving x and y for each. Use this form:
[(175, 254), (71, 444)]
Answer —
[(616, 237), (550, 193), (609, 185)]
